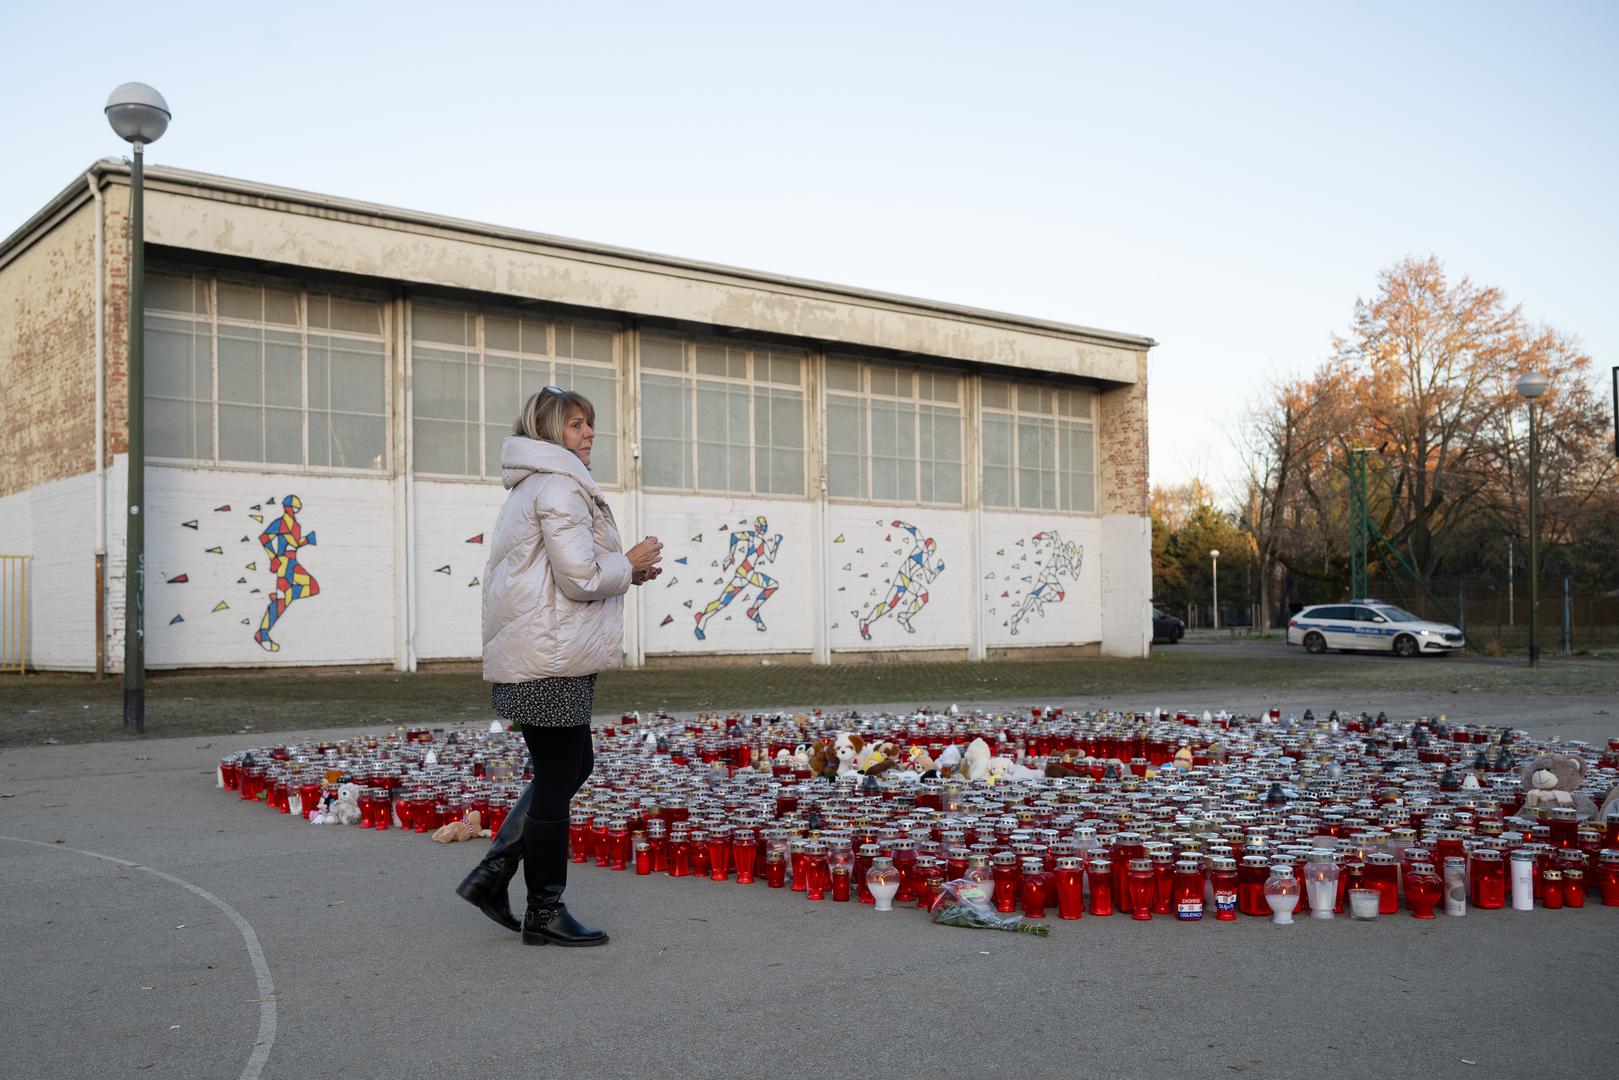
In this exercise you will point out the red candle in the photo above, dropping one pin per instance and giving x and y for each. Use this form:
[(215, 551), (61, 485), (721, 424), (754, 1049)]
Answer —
[(744, 853), (618, 843), (1608, 876), (1423, 888), (1188, 887), (1005, 875), (862, 864), (382, 810), (643, 858), (820, 872), (1489, 879), (719, 853), (1223, 879), (1574, 888), (1032, 889), (1551, 894), (905, 863), (697, 853), (579, 835), (1163, 882), (1101, 875), (1251, 876), (1382, 874), (775, 868), (1141, 888), (1070, 888), (679, 855), (840, 882)]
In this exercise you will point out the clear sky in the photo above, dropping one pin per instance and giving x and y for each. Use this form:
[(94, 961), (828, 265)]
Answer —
[(1224, 178)]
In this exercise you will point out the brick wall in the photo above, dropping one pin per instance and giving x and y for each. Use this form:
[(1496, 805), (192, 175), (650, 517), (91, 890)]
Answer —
[(1121, 474), (47, 357)]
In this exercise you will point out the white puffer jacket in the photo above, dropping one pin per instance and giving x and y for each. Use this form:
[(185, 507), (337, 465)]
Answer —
[(553, 590)]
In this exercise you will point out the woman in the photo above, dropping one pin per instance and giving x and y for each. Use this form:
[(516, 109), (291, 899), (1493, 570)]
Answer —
[(552, 618)]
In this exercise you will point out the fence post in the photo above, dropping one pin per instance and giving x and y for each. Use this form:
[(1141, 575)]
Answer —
[(1461, 607), (1568, 624)]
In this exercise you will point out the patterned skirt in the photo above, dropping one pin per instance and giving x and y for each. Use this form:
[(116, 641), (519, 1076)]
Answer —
[(560, 701)]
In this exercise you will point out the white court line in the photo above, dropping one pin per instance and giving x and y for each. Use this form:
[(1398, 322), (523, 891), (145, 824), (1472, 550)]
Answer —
[(261, 969)]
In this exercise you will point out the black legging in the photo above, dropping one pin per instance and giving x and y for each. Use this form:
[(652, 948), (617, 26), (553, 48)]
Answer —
[(563, 759)]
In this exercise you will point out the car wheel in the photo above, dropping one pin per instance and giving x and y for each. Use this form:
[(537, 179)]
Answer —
[(1176, 640), (1405, 645), (1315, 643)]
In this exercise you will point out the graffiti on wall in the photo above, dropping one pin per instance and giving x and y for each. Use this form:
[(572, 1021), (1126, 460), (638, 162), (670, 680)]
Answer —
[(898, 584), (281, 535), (1034, 576), (748, 549)]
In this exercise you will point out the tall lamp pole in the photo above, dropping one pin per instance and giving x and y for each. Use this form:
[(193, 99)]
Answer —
[(1214, 555), (139, 115), (1530, 387)]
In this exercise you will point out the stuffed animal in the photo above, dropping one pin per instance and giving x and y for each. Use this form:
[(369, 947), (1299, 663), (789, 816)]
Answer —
[(1610, 805), (877, 758), (922, 764), (465, 829), (343, 810), (820, 763), (1553, 780), (975, 760), (846, 750), (1068, 763)]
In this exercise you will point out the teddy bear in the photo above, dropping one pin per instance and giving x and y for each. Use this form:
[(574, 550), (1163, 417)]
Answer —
[(465, 829), (975, 761), (877, 758), (342, 810), (1553, 780)]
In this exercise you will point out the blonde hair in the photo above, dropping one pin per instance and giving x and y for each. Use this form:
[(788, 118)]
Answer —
[(545, 414)]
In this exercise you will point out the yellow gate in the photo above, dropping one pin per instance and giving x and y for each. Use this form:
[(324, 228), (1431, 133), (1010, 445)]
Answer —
[(13, 613)]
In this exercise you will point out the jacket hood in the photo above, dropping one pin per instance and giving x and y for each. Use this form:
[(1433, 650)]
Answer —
[(522, 457)]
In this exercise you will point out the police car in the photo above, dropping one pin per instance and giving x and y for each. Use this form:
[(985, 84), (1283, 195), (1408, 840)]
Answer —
[(1371, 625)]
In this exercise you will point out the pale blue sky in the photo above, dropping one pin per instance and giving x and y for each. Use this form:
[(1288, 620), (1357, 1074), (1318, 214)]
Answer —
[(1225, 178)]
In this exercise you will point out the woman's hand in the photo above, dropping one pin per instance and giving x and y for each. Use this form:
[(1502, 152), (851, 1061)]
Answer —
[(641, 577), (645, 555)]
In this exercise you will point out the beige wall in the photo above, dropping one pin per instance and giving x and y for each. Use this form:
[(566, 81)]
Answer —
[(1121, 446), (47, 357)]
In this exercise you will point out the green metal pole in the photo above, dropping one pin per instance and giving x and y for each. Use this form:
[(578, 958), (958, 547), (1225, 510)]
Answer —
[(1534, 540), (135, 527)]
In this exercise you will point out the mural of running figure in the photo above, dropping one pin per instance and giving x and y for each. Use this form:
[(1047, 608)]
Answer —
[(1061, 561), (281, 539), (907, 593), (757, 547)]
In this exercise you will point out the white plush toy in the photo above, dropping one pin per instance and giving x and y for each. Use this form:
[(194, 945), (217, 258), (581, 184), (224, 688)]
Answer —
[(948, 758), (975, 760), (345, 810), (847, 747)]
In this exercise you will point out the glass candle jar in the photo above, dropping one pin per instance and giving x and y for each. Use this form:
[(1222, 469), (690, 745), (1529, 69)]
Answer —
[(1004, 873), (817, 870), (775, 867), (841, 873), (1423, 888), (1383, 874), (1251, 875), (1489, 878), (1223, 884), (1321, 883), (744, 854), (865, 858), (1551, 889), (882, 881), (679, 853), (1608, 876), (1100, 872), (1282, 893), (1069, 883), (1188, 888), (618, 842), (1455, 874), (1033, 887), (1141, 888), (905, 862), (1574, 888), (1163, 881), (643, 858), (1564, 822)]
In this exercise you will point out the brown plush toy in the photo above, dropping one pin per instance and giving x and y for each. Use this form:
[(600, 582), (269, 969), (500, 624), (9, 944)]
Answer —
[(1553, 780)]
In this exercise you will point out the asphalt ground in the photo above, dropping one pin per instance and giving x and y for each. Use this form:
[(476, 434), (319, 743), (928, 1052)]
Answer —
[(229, 941)]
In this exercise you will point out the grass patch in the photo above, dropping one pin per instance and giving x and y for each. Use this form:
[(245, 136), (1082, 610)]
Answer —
[(70, 708)]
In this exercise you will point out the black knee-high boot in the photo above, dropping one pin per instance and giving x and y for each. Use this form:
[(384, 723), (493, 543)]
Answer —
[(485, 888), (545, 870)]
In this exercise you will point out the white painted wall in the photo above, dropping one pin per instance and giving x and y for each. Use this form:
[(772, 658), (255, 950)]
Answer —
[(204, 525), (1126, 585), (54, 524), (705, 542), (1041, 579), (868, 549)]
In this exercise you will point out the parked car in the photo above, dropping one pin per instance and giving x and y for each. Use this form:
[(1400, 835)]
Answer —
[(1166, 628), (1370, 625)]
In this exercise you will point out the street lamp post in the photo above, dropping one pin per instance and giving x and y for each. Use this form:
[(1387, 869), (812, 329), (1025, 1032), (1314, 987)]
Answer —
[(1530, 387), (1214, 556), (139, 115)]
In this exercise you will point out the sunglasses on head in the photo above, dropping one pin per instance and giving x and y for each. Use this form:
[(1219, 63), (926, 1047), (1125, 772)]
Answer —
[(552, 390)]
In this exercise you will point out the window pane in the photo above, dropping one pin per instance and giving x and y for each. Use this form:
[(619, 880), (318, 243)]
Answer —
[(1033, 399), (440, 446), (663, 353), (241, 433), (168, 358), (240, 369), (787, 472), (494, 435), (439, 389), (283, 370), (356, 316), (940, 386), (663, 407), (589, 344), (946, 484), (167, 292), (168, 428), (319, 379), (885, 380), (842, 375), (281, 306), (446, 325), (787, 420), (320, 439), (997, 441), (845, 440), (787, 370), (604, 458), (358, 377), (500, 396), (711, 360), (237, 301), (284, 436), (536, 337), (500, 332), (358, 442), (993, 392)]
